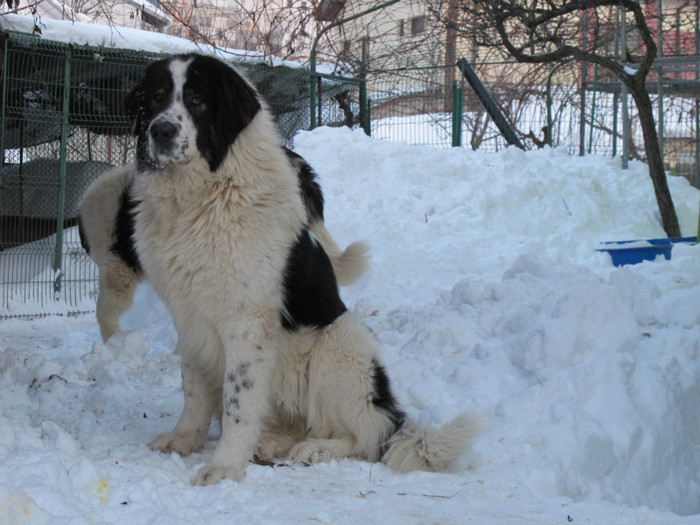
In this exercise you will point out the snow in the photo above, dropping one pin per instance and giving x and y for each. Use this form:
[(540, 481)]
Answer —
[(84, 34), (487, 294), (117, 37)]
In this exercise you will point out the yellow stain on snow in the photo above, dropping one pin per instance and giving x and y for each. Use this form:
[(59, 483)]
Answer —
[(103, 491), (18, 507)]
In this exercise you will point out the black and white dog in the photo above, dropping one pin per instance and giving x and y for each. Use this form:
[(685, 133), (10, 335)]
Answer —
[(222, 232), (106, 222)]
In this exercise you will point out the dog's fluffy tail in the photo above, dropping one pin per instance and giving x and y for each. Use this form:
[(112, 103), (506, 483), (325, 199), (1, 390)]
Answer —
[(351, 264), (348, 265), (416, 448)]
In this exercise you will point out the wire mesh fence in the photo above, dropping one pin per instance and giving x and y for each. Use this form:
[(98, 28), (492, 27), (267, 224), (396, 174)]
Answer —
[(416, 105), (62, 125), (61, 129)]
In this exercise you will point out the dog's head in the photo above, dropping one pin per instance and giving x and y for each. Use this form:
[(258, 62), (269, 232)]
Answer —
[(187, 107)]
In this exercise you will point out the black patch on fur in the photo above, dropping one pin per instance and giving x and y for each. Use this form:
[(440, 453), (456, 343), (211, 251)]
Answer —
[(308, 184), (236, 382), (226, 104), (311, 295), (384, 399), (232, 408), (124, 246)]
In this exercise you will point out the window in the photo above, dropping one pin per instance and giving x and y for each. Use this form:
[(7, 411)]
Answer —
[(417, 25), (402, 28)]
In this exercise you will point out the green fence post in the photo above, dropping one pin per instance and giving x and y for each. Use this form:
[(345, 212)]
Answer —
[(60, 216), (2, 115), (368, 112), (319, 102), (457, 105), (593, 101), (312, 97), (364, 103)]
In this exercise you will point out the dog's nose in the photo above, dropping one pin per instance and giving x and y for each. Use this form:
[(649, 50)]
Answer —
[(163, 132)]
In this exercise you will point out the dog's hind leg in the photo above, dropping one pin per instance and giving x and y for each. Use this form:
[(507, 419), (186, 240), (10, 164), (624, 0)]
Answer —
[(274, 446), (283, 431), (321, 450), (351, 409)]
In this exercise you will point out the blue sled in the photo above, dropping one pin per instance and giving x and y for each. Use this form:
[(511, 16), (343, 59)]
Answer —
[(633, 252)]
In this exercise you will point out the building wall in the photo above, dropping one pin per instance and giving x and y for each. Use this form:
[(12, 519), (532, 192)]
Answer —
[(400, 35)]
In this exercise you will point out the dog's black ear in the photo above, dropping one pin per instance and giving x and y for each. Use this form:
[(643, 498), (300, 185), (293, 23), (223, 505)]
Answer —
[(234, 104), (238, 103)]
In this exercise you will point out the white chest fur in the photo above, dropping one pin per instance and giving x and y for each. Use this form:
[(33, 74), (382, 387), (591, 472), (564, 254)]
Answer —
[(219, 242)]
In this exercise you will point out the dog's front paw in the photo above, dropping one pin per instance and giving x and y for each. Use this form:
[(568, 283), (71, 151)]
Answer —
[(170, 442), (212, 474)]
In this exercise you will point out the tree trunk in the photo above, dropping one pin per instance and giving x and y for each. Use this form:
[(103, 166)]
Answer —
[(654, 160), (450, 52)]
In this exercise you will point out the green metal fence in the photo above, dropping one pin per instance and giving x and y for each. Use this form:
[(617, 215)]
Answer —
[(62, 125), (432, 106)]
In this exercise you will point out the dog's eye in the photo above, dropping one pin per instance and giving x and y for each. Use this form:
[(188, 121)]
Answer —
[(196, 100), (159, 96)]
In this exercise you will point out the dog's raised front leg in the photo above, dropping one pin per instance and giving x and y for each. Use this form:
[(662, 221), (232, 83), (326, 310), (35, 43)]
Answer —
[(246, 390), (200, 401)]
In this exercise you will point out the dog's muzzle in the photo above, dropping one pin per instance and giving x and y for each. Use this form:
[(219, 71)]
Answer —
[(162, 138), (169, 142)]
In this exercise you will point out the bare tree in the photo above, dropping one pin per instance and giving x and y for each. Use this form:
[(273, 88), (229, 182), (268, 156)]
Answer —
[(552, 31), (264, 26)]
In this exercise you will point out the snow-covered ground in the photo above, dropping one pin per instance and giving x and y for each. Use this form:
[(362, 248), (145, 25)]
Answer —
[(487, 295)]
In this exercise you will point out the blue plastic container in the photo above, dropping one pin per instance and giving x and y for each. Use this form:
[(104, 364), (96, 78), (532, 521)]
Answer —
[(633, 252)]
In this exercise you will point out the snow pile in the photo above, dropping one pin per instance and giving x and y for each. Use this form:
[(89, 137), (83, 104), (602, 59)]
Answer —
[(486, 293)]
